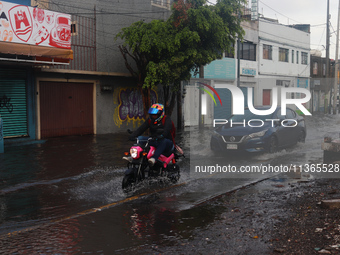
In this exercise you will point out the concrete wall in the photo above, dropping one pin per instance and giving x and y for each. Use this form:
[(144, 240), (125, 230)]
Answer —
[(279, 35), (111, 17), (118, 104)]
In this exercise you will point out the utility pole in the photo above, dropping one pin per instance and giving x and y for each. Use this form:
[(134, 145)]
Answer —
[(200, 116), (328, 88), (336, 67), (238, 54)]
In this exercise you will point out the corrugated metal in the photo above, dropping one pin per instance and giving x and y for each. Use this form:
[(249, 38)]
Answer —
[(13, 104), (66, 109)]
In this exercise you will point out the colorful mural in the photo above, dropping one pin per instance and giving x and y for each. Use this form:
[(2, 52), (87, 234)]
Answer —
[(130, 107)]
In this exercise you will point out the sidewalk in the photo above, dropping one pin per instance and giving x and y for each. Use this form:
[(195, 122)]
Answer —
[(270, 217)]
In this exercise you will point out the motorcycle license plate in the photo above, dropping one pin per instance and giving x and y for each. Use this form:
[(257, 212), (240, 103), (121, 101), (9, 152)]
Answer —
[(231, 146)]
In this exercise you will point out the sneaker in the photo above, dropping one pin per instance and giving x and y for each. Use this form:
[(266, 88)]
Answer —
[(151, 161), (128, 159)]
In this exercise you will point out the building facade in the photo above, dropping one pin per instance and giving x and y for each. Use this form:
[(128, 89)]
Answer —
[(85, 89), (272, 55), (321, 86)]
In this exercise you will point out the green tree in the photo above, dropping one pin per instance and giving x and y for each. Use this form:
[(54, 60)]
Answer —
[(167, 52)]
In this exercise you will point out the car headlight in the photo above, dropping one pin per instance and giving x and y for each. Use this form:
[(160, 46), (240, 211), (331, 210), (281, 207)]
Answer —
[(134, 152), (217, 135), (258, 134)]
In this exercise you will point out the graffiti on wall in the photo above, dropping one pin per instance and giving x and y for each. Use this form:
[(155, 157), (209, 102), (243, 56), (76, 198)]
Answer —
[(5, 102), (130, 107)]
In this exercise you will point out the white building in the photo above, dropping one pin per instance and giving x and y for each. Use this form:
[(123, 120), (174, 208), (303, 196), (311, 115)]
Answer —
[(284, 59), (271, 55)]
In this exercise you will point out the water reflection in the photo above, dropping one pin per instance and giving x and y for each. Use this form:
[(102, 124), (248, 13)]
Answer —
[(37, 180), (55, 239)]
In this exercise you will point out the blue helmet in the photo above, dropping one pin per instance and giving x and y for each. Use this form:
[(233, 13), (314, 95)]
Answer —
[(157, 109)]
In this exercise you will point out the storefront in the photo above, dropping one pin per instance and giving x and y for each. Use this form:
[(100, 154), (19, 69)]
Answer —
[(29, 38)]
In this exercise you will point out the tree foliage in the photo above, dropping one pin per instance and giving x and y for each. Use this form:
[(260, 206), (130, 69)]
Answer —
[(167, 52)]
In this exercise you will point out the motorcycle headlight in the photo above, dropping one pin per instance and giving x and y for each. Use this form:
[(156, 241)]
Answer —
[(134, 152), (257, 134)]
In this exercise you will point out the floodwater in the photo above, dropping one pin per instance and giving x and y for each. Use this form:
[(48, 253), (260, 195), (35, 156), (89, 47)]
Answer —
[(64, 196)]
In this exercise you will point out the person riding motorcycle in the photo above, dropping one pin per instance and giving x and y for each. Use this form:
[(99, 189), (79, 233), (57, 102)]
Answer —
[(160, 132)]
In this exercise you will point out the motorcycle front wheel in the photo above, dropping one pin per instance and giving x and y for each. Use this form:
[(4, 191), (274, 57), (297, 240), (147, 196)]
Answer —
[(128, 182)]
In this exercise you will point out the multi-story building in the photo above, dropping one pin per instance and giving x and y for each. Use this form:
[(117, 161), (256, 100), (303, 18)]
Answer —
[(321, 84), (272, 55), (63, 73)]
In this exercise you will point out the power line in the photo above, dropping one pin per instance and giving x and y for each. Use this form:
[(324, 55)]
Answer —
[(280, 13)]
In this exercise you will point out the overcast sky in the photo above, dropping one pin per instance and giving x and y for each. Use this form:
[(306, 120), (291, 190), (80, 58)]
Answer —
[(313, 12)]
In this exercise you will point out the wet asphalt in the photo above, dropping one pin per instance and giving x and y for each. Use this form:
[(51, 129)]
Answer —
[(63, 196)]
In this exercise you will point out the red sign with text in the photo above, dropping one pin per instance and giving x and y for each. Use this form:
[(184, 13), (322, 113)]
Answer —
[(24, 24)]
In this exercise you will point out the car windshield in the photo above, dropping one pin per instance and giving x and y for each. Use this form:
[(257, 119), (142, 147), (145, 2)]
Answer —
[(248, 115)]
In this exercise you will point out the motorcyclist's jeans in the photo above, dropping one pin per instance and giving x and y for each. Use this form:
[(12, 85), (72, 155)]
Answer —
[(163, 146)]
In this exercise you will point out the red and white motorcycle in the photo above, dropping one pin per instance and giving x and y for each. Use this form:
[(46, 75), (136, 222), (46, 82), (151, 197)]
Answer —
[(138, 165)]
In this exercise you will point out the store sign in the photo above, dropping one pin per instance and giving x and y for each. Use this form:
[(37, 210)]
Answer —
[(249, 71), (34, 26), (302, 83)]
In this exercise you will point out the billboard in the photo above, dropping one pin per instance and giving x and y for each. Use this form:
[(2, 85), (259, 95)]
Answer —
[(34, 26)]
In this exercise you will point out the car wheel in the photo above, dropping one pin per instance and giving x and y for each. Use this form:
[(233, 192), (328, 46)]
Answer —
[(302, 137), (273, 145)]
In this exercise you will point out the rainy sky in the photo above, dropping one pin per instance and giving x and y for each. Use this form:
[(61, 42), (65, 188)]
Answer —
[(313, 12)]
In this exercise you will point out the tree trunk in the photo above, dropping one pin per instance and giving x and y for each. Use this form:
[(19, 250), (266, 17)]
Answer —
[(179, 110), (146, 97)]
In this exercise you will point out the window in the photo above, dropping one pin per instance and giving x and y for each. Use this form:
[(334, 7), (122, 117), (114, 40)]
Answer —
[(297, 57), (315, 68), (292, 56), (248, 51), (161, 3), (304, 58), (283, 54), (267, 51), (230, 53), (74, 30)]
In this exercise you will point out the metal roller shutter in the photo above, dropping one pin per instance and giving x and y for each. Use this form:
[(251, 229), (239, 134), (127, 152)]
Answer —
[(66, 109), (13, 105)]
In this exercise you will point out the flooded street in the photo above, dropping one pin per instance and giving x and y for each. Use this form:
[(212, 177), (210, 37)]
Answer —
[(64, 196)]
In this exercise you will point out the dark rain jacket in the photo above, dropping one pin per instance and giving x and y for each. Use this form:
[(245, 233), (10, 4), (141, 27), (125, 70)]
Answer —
[(155, 130)]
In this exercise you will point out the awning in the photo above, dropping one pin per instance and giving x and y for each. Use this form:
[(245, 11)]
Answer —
[(40, 52)]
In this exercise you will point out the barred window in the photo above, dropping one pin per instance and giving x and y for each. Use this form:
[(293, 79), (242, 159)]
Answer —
[(248, 51), (292, 56), (161, 3), (304, 58), (315, 68), (283, 54), (267, 51)]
